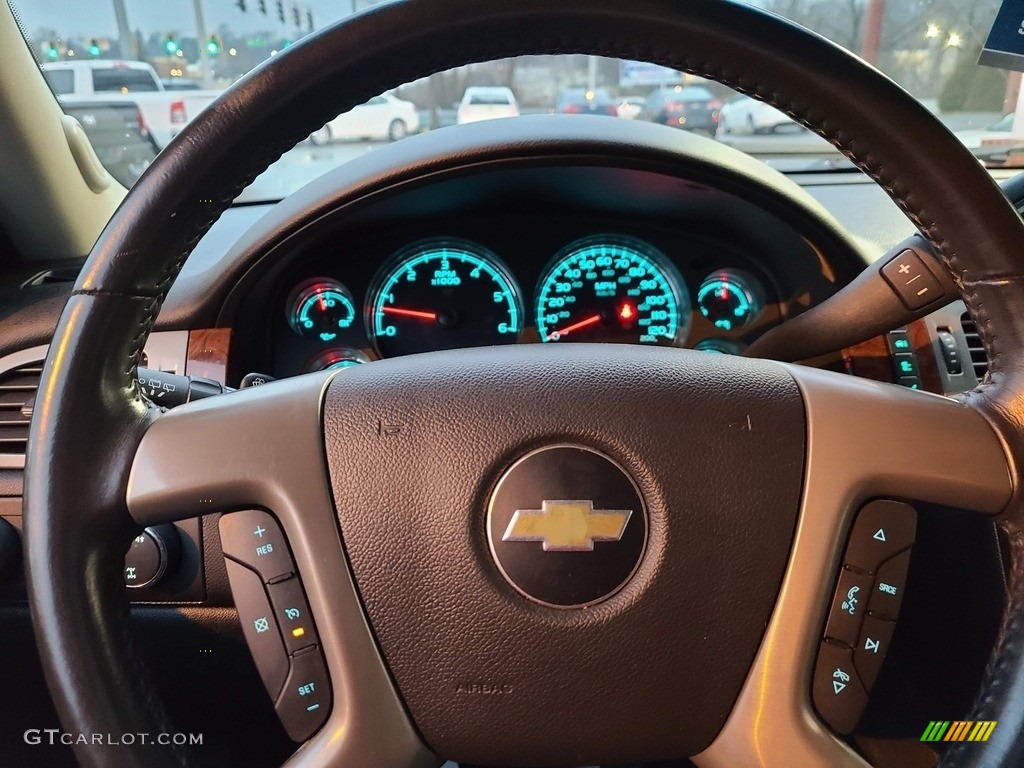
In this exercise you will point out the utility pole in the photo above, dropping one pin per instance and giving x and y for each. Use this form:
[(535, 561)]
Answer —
[(873, 31), (591, 73), (125, 39), (205, 66), (1012, 92)]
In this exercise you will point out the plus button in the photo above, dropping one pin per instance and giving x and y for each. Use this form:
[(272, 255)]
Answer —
[(260, 530)]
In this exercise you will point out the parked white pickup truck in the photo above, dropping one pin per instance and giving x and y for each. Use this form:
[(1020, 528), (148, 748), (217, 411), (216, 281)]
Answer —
[(165, 112)]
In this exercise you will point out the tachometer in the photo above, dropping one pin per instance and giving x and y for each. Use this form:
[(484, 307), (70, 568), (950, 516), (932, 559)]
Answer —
[(612, 288), (443, 294)]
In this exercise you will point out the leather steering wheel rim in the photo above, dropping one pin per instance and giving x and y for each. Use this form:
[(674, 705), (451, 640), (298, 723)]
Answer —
[(90, 417)]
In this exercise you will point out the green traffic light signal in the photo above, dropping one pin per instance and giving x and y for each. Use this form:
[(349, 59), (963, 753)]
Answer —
[(94, 48), (171, 46), (213, 47), (52, 52)]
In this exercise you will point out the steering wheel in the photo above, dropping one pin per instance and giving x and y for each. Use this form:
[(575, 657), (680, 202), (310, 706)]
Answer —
[(387, 480)]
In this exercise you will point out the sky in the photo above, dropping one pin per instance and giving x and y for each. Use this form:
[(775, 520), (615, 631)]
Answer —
[(95, 18)]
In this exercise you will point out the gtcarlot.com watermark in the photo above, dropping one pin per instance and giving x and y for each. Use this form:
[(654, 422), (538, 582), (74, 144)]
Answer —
[(53, 736)]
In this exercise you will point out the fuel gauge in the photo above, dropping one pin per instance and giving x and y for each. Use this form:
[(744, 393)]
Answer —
[(730, 299), (320, 308)]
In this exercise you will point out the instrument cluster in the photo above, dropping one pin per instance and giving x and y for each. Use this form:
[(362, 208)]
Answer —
[(450, 292)]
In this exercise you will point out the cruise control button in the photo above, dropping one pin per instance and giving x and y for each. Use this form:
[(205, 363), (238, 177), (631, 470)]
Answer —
[(254, 538), (259, 626), (882, 529), (849, 605), (890, 583), (869, 653), (836, 691), (305, 702), (292, 611)]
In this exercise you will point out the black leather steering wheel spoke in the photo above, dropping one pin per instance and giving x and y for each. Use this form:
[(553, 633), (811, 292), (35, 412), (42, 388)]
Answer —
[(385, 479)]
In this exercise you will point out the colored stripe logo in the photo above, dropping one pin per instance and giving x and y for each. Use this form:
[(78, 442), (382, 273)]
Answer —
[(959, 730)]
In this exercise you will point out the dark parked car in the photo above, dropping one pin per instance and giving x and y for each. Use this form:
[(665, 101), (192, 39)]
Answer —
[(692, 107), (119, 135), (580, 101)]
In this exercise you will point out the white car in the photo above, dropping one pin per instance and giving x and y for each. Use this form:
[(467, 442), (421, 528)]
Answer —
[(744, 115), (382, 117), (630, 107), (486, 103)]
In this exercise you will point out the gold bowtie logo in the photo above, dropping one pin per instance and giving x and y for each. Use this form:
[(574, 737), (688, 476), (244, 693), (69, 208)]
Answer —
[(567, 526)]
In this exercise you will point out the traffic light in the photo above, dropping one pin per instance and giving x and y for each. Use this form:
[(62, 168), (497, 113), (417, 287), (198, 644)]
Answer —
[(280, 11), (213, 46), (94, 48), (263, 7), (171, 46), (241, 5), (52, 51)]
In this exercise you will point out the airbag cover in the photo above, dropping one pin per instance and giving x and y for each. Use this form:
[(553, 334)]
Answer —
[(715, 447)]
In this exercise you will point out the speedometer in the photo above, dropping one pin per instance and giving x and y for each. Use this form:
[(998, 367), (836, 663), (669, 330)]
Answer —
[(612, 288), (443, 294)]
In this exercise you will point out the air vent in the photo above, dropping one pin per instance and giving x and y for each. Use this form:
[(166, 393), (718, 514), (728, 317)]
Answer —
[(979, 359), (17, 397), (52, 277)]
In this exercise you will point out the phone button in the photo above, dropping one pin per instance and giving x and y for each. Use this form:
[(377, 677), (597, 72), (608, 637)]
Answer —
[(849, 605)]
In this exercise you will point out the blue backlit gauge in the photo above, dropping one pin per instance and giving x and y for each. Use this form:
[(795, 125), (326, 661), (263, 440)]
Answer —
[(730, 299), (443, 294), (721, 346), (612, 289), (320, 309), (336, 359)]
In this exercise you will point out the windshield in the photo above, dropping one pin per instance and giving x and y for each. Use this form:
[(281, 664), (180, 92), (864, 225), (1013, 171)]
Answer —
[(171, 59)]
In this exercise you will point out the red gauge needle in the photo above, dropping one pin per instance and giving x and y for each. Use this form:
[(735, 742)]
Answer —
[(574, 327), (409, 313)]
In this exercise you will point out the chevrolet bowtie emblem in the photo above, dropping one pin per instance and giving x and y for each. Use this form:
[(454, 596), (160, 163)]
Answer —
[(567, 526)]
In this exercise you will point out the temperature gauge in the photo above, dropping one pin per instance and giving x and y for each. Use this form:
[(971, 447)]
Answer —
[(730, 299), (320, 309)]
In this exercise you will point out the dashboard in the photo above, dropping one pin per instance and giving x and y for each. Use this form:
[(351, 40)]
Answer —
[(449, 292), (486, 261)]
